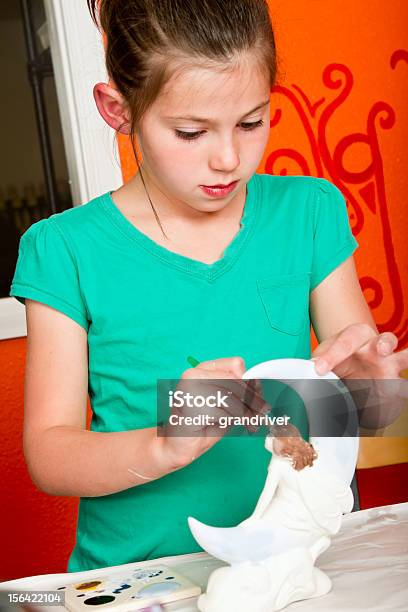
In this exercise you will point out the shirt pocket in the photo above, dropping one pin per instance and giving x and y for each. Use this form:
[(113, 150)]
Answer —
[(285, 298)]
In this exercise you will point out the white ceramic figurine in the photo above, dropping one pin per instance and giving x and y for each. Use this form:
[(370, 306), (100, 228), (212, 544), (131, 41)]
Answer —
[(271, 555)]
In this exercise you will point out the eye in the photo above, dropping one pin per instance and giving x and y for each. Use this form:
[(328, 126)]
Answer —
[(247, 126), (188, 135), (252, 126)]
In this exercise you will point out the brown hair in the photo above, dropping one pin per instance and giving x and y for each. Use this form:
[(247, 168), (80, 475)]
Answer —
[(145, 38)]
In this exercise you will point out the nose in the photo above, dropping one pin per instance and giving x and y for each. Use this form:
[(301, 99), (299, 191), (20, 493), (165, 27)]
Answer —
[(225, 155)]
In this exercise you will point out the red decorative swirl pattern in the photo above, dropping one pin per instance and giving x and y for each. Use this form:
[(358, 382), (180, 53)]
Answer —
[(364, 190)]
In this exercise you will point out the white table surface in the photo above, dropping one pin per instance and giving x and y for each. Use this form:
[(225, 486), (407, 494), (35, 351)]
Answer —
[(367, 563)]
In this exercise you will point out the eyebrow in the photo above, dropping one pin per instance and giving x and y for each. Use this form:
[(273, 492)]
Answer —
[(203, 120)]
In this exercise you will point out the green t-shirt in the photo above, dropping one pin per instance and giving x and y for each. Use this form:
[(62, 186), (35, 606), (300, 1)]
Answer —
[(146, 309)]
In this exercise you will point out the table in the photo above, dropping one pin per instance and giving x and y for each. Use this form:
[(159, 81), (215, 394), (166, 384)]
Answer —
[(367, 563)]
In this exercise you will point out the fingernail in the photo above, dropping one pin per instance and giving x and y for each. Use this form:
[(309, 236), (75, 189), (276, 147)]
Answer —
[(321, 366), (384, 347)]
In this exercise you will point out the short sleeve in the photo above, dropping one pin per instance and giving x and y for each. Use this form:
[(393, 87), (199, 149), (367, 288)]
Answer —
[(46, 271), (333, 240)]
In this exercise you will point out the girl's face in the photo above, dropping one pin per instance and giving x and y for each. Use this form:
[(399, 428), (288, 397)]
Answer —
[(206, 128)]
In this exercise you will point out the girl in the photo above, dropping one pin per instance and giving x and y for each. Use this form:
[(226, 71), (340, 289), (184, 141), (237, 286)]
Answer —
[(197, 254)]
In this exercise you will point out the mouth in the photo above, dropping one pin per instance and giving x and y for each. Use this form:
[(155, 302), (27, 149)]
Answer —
[(220, 185), (219, 191)]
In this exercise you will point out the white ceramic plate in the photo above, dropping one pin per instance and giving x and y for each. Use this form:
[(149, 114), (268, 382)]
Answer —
[(343, 450), (287, 368)]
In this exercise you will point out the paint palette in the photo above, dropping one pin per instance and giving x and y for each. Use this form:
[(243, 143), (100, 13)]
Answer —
[(134, 590)]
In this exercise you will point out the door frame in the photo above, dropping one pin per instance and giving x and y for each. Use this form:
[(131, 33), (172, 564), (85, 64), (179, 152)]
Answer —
[(90, 145)]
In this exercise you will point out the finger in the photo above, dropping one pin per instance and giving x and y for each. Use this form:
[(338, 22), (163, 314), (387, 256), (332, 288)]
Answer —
[(256, 402), (388, 389), (248, 398), (242, 389), (256, 384), (233, 365), (323, 347), (376, 357), (246, 394), (206, 395), (348, 341), (199, 373), (386, 343), (254, 422), (230, 405), (250, 410)]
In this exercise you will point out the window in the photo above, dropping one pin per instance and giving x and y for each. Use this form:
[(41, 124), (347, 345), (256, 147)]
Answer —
[(57, 151)]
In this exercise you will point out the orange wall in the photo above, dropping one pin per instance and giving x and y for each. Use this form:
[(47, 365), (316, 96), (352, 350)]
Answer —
[(338, 112), (37, 531)]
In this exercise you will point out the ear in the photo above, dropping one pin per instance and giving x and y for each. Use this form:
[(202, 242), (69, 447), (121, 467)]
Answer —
[(112, 107)]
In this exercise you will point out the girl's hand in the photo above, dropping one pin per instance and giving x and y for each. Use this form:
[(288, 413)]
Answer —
[(184, 443), (358, 352)]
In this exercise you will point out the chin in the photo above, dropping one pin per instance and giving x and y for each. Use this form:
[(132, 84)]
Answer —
[(213, 206)]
